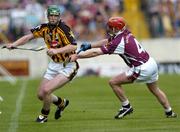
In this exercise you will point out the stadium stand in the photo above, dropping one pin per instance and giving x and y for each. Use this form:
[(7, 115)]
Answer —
[(136, 19), (155, 18)]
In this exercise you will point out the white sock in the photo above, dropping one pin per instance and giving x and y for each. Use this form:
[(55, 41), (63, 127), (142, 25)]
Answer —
[(125, 103), (168, 109), (54, 98)]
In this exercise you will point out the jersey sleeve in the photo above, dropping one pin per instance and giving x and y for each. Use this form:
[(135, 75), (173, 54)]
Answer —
[(104, 49), (37, 31), (114, 46), (107, 48)]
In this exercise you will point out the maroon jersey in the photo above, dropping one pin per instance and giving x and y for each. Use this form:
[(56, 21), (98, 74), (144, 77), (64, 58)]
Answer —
[(125, 45)]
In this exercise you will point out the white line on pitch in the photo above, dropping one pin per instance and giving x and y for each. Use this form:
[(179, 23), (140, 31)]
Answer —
[(15, 116), (1, 99)]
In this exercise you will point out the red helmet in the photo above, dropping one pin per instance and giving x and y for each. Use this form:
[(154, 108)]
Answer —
[(116, 22)]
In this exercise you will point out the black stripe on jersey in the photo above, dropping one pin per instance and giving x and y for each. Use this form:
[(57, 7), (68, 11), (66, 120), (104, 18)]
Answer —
[(62, 57), (43, 33), (56, 58), (61, 40), (66, 29), (53, 57), (63, 36)]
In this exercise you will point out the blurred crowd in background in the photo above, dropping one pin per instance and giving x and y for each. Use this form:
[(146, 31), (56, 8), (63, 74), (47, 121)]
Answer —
[(87, 17), (163, 17)]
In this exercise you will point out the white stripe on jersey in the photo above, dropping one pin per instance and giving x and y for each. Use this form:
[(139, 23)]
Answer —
[(120, 48)]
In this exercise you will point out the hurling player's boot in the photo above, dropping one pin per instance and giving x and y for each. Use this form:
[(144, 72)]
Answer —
[(170, 114), (123, 112), (60, 109), (41, 119)]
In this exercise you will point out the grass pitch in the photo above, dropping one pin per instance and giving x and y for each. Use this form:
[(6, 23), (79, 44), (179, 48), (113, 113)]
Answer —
[(92, 107)]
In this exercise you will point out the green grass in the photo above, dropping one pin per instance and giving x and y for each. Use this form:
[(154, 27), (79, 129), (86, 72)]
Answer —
[(92, 107)]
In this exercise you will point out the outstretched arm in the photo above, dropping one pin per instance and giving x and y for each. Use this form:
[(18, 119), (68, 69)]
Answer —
[(87, 54), (21, 41), (86, 45), (90, 53), (91, 50), (98, 44)]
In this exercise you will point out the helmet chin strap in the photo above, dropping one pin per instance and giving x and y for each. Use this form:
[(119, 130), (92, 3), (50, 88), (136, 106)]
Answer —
[(119, 32), (115, 32), (111, 32)]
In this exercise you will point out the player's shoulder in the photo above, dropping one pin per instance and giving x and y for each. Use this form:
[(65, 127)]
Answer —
[(44, 25), (39, 27), (63, 26)]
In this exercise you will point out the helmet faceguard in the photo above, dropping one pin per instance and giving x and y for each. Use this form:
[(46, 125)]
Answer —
[(115, 25)]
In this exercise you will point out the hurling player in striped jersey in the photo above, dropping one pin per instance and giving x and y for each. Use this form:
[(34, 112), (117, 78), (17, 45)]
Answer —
[(61, 44), (142, 67)]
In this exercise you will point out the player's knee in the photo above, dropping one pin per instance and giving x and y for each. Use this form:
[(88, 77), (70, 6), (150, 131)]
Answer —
[(112, 82), (40, 96), (43, 93)]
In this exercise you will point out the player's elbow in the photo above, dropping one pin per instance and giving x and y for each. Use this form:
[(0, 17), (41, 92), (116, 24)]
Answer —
[(94, 53), (28, 37)]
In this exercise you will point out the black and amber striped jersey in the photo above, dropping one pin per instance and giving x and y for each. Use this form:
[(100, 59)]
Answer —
[(55, 37)]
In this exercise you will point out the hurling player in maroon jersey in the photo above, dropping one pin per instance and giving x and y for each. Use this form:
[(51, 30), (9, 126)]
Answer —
[(142, 67)]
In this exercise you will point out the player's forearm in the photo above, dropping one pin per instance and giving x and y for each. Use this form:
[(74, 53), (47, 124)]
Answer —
[(99, 43), (89, 53), (23, 40), (86, 55), (67, 49)]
